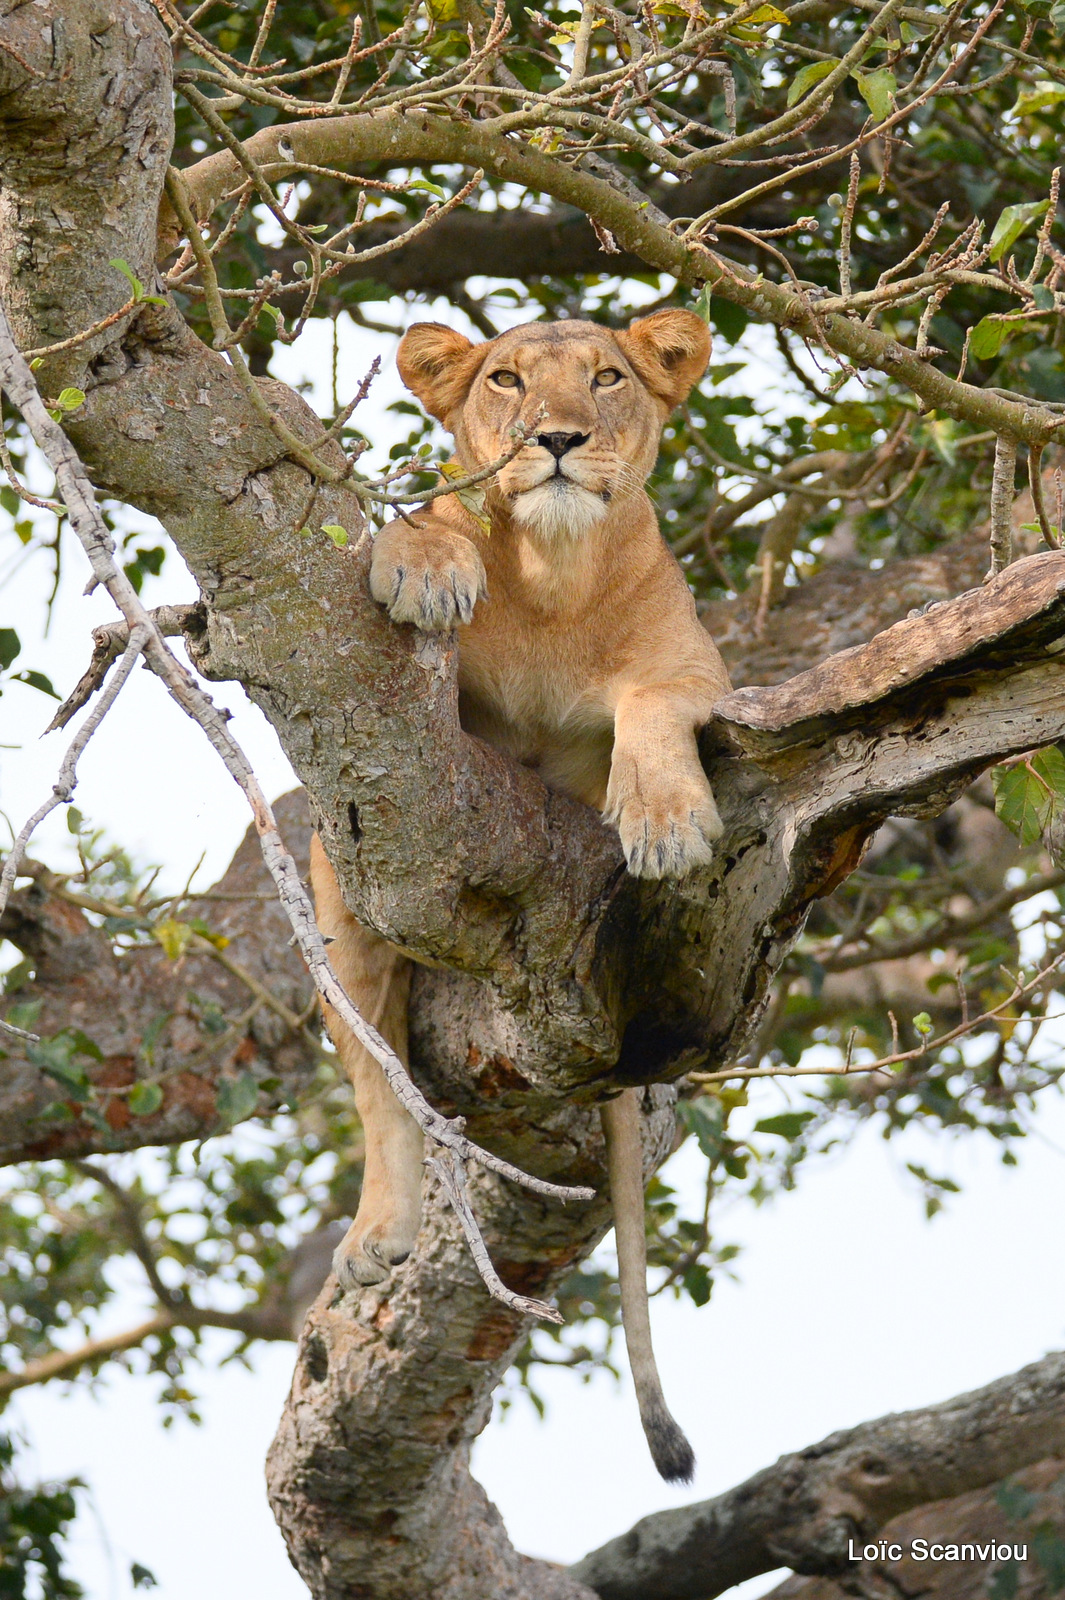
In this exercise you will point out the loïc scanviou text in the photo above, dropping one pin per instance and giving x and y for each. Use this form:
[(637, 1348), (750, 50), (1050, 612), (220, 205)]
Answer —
[(926, 1550)]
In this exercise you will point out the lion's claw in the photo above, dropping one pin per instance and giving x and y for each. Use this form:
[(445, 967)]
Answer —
[(434, 585)]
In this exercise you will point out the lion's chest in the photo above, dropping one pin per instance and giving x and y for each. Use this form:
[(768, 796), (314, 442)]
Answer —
[(534, 695)]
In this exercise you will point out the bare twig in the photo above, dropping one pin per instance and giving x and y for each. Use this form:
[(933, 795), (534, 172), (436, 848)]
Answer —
[(110, 639), (1020, 991), (1035, 484), (66, 782), (846, 225), (1002, 504), (453, 1181)]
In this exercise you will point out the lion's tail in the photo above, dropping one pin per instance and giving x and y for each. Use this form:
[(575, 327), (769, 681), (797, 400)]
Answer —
[(670, 1450)]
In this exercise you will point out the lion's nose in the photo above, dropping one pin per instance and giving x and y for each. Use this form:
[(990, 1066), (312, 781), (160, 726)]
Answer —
[(559, 443)]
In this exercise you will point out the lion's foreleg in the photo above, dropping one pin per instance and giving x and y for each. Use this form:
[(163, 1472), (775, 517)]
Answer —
[(658, 797), (377, 980)]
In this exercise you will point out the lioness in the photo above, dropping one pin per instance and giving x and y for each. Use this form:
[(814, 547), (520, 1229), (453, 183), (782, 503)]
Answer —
[(580, 655)]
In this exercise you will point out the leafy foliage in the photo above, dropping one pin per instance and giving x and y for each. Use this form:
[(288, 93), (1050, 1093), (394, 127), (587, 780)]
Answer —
[(33, 1525)]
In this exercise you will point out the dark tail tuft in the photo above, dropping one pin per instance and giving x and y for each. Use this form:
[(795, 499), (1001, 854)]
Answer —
[(670, 1450)]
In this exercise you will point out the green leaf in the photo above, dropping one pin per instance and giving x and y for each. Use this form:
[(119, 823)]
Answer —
[(56, 1058), (704, 1121), (334, 531), (430, 188), (1031, 794), (75, 820), (70, 399), (1048, 1547), (1015, 1501), (877, 89), (142, 1577), (789, 1124), (205, 931), (17, 976), (85, 1046), (174, 936), (923, 1022), (1043, 297), (10, 645), (1012, 223), (807, 76), (237, 1098), (55, 1111), (1037, 97), (698, 1283), (989, 335), (127, 272), (1057, 17), (725, 318), (25, 1014), (1004, 1584), (145, 1098), (35, 680)]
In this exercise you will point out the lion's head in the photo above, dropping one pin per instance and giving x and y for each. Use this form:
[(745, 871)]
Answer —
[(594, 398)]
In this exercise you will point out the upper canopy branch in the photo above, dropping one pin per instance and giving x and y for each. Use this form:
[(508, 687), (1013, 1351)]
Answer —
[(420, 138)]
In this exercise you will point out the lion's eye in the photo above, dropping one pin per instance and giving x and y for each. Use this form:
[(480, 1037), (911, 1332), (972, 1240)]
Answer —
[(607, 378), (504, 379)]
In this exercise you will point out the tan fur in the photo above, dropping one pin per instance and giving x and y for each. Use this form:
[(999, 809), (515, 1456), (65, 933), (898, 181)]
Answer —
[(580, 653)]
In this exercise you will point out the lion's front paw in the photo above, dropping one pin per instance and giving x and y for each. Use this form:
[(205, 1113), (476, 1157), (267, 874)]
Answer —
[(668, 823), (367, 1253), (432, 582)]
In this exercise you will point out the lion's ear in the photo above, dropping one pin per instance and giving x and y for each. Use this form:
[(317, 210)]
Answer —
[(669, 350), (437, 364)]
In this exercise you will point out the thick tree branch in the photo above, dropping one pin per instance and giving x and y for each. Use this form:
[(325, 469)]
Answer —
[(202, 1023), (369, 1473), (976, 1521), (802, 1511)]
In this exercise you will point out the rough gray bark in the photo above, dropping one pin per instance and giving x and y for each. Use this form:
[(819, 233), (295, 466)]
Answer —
[(802, 1511), (1036, 1523), (369, 1475), (563, 976)]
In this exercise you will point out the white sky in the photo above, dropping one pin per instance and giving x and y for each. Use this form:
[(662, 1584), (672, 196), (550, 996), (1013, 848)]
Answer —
[(850, 1305)]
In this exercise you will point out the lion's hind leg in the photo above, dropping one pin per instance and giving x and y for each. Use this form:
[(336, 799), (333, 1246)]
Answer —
[(376, 979)]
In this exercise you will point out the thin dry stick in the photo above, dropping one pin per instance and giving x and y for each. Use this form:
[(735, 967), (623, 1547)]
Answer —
[(294, 446), (66, 782), (453, 1181), (1035, 483), (1002, 504), (17, 379), (851, 1069), (847, 225), (109, 640)]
